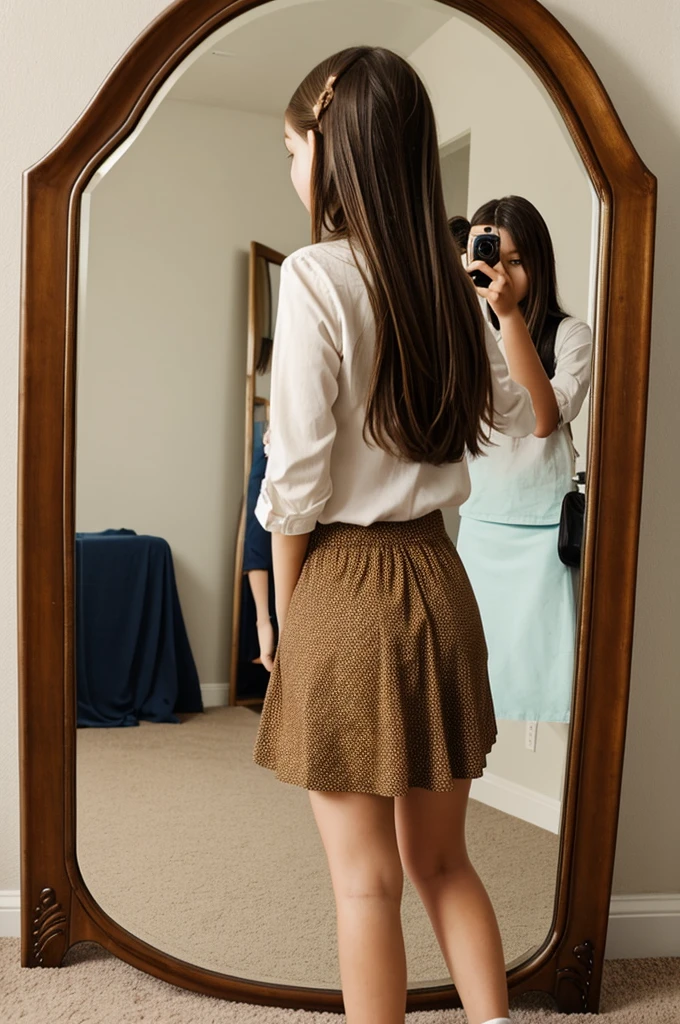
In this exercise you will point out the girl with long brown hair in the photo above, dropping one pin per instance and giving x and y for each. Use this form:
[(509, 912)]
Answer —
[(509, 526), (384, 377)]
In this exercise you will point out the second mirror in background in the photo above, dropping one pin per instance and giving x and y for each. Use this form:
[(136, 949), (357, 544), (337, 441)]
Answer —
[(255, 628)]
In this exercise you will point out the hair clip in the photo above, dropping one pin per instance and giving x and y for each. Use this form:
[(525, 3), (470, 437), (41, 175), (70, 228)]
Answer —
[(325, 99)]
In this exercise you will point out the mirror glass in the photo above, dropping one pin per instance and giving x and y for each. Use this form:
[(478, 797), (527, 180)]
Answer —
[(181, 838)]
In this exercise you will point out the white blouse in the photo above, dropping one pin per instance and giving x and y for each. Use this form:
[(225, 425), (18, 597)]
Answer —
[(320, 469), (523, 480)]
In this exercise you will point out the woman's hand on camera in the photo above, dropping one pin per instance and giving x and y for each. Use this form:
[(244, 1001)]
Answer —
[(500, 293)]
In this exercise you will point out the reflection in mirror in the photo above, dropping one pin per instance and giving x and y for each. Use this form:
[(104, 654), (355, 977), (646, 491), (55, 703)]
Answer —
[(255, 629), (181, 838)]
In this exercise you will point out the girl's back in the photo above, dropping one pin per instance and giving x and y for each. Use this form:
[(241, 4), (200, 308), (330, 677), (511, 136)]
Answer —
[(324, 352), (383, 377)]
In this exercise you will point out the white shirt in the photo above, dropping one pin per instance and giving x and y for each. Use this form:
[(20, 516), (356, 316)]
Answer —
[(523, 480), (320, 468)]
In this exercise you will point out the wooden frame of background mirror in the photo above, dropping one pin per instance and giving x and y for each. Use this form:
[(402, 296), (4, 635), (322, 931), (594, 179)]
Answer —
[(57, 908), (266, 255)]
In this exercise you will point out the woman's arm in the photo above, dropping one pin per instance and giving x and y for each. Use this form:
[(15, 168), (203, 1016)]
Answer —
[(288, 553), (513, 411), (259, 588), (526, 368), (305, 370), (304, 387), (573, 357), (523, 360)]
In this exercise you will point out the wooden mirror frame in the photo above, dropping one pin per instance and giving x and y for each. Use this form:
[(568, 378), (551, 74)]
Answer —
[(57, 908), (257, 252)]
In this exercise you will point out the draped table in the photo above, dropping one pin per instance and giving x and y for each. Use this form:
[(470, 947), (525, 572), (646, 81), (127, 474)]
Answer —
[(133, 657)]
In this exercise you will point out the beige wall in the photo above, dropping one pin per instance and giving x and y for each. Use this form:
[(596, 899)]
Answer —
[(518, 146), (54, 57), (455, 179), (522, 150), (525, 151), (162, 345)]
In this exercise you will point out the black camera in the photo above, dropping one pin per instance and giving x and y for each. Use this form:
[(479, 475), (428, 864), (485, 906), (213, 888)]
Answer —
[(486, 247)]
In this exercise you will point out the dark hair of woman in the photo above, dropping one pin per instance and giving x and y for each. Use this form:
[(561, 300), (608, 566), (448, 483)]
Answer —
[(376, 181), (541, 308), (264, 357), (263, 292), (460, 229)]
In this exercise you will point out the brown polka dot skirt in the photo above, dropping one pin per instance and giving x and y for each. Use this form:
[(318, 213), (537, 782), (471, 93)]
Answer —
[(380, 680)]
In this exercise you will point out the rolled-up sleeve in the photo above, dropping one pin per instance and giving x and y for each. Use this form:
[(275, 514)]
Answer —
[(573, 357), (513, 409), (304, 386)]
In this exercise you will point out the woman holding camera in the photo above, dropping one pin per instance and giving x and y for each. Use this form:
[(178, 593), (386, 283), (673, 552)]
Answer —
[(509, 525)]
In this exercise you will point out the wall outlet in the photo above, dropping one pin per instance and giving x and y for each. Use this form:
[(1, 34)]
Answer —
[(532, 729)]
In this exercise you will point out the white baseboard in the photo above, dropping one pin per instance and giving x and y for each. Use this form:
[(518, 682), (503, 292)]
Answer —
[(10, 917), (639, 926), (520, 801), (643, 926), (215, 695)]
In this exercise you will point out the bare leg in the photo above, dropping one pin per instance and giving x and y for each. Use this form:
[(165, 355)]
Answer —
[(431, 836), (358, 834), (259, 585)]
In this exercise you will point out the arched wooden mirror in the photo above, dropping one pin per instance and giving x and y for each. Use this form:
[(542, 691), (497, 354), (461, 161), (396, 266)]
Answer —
[(164, 842)]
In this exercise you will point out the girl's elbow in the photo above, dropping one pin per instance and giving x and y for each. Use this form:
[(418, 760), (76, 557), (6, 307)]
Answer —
[(545, 426)]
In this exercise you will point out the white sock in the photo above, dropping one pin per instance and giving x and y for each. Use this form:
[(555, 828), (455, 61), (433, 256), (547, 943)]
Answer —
[(498, 1020)]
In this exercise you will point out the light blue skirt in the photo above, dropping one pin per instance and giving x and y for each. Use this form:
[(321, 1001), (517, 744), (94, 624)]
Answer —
[(527, 600)]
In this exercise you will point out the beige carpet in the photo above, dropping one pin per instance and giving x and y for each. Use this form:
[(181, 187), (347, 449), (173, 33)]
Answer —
[(188, 844), (96, 988)]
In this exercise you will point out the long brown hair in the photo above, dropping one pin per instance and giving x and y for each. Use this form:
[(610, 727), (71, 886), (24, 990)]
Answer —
[(541, 307), (376, 181)]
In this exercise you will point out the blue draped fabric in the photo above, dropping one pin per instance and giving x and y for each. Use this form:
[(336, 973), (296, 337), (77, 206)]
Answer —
[(133, 658)]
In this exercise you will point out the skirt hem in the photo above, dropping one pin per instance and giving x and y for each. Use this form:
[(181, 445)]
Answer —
[(309, 784)]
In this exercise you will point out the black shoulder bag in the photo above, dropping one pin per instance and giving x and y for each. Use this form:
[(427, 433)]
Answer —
[(570, 535)]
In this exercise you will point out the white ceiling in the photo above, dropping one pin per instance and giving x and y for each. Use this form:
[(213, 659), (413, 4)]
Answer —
[(275, 46)]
